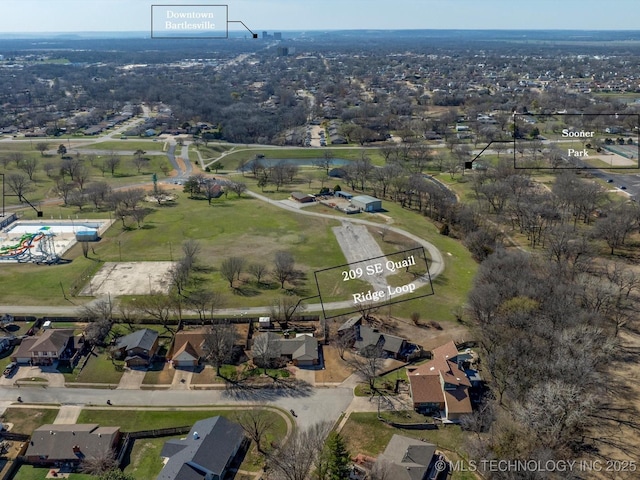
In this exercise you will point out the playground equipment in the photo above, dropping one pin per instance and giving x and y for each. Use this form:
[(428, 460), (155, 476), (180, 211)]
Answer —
[(32, 247)]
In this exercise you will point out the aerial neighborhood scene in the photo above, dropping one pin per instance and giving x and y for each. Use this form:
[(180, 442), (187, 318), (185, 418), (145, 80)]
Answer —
[(276, 240)]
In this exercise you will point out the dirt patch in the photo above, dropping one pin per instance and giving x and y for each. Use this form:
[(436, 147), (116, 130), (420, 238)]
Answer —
[(130, 278), (336, 370)]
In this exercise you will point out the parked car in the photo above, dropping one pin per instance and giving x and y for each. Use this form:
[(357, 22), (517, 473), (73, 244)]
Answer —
[(10, 369)]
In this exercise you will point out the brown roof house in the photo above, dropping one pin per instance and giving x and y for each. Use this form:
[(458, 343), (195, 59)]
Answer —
[(441, 385), (70, 443), (54, 344), (188, 348)]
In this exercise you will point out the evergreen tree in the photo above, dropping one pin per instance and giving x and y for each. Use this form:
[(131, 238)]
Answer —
[(338, 457)]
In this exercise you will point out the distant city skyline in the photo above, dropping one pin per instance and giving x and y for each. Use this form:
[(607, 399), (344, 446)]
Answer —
[(29, 16)]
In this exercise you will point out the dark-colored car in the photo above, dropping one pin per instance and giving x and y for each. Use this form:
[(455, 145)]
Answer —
[(622, 187), (10, 369)]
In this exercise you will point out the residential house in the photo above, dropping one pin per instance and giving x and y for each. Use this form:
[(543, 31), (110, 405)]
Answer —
[(70, 443), (188, 348), (302, 350), (409, 459), (367, 338), (348, 326), (138, 348), (441, 385), (206, 452), (54, 344)]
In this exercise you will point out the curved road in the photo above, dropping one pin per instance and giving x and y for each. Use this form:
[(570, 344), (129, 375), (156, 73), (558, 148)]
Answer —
[(435, 268)]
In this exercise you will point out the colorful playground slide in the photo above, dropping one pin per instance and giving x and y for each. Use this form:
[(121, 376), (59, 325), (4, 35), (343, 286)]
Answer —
[(17, 251)]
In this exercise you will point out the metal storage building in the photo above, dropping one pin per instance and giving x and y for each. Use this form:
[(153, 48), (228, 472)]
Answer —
[(367, 203)]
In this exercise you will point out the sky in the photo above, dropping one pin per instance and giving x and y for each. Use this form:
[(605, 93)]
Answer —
[(26, 16)]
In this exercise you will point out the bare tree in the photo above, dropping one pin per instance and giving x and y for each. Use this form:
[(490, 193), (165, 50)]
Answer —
[(266, 348), (77, 199), (205, 302), (99, 463), (111, 164), (99, 315), (191, 249), (230, 268), (615, 227), (139, 161), (256, 423), (29, 166), (64, 189), (157, 305), (284, 267), (97, 193), (218, 344), (285, 307), (238, 188), (259, 271), (42, 147), (139, 214), (344, 342), (368, 364), (180, 273), (293, 460), (19, 184)]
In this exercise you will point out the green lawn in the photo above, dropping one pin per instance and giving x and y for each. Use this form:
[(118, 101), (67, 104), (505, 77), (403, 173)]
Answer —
[(364, 433), (232, 160), (28, 472), (145, 461), (131, 143), (384, 383), (99, 369), (136, 420), (26, 420)]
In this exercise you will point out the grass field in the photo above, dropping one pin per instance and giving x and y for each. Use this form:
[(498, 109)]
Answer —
[(232, 160), (28, 472), (144, 460), (26, 420), (364, 433), (99, 369)]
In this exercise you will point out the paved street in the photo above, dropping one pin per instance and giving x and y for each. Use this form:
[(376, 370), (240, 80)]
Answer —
[(311, 405)]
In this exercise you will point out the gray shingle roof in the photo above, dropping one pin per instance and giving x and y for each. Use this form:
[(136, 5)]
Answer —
[(144, 338), (217, 440), (368, 337), (56, 442), (409, 459)]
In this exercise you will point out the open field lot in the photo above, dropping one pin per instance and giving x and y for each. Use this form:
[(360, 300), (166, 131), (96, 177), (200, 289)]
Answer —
[(243, 227), (130, 278)]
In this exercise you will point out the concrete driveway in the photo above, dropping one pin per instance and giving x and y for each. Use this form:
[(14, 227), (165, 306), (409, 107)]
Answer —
[(53, 377), (131, 379), (68, 414), (181, 379)]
